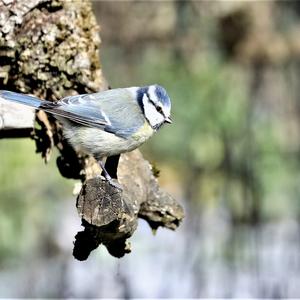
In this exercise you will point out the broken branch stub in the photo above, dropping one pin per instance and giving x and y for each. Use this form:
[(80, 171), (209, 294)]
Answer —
[(110, 215)]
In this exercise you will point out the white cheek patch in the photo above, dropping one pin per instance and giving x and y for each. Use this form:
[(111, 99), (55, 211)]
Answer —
[(151, 114)]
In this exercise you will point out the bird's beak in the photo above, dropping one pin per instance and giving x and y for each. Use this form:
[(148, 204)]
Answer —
[(168, 120)]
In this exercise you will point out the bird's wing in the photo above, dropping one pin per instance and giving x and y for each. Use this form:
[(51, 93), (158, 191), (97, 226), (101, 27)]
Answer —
[(78, 110), (113, 111)]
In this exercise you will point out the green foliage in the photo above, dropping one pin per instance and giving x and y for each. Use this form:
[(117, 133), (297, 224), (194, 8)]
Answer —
[(29, 191)]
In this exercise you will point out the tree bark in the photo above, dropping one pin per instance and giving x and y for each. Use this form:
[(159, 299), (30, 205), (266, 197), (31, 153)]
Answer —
[(50, 48)]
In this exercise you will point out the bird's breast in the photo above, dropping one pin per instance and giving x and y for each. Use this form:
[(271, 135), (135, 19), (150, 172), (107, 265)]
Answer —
[(101, 143), (143, 133)]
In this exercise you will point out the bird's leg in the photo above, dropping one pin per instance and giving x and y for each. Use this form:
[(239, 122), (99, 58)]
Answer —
[(108, 177), (111, 165), (104, 172)]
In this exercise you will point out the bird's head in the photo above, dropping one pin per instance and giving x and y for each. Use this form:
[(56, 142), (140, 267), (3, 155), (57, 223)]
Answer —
[(155, 104)]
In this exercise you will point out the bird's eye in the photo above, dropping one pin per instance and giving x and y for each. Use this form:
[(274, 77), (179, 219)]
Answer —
[(159, 109)]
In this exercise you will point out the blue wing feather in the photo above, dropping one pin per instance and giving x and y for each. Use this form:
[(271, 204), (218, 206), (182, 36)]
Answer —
[(114, 111)]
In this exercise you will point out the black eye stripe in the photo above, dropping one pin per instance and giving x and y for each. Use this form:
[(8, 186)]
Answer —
[(150, 99), (158, 108)]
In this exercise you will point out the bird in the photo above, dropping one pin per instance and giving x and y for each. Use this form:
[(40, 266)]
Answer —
[(106, 123)]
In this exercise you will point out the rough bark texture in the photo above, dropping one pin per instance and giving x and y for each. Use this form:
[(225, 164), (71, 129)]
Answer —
[(50, 48), (112, 214)]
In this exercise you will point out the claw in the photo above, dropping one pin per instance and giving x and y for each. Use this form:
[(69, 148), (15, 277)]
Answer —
[(112, 182), (115, 184)]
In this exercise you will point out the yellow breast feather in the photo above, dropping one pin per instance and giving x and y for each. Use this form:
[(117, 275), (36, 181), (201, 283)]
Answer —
[(143, 133)]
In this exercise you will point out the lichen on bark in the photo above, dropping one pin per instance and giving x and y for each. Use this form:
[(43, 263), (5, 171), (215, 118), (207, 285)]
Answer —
[(50, 48)]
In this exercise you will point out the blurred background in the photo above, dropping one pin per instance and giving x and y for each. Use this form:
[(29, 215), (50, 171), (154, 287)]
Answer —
[(231, 157)]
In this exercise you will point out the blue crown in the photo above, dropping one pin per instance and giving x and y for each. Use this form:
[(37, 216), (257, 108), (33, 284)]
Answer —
[(161, 94)]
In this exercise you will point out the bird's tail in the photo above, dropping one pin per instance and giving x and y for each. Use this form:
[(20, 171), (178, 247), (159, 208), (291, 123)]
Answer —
[(21, 98)]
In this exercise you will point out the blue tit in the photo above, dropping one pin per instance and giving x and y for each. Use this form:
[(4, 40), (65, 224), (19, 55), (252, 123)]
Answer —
[(106, 123)]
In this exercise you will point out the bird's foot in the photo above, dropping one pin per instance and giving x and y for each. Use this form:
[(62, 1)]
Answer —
[(114, 183)]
